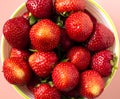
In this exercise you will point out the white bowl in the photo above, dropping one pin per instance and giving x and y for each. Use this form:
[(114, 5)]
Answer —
[(96, 10)]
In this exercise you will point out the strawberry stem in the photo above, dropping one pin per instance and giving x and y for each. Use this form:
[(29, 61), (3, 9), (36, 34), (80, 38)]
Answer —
[(113, 62), (59, 22), (65, 60), (114, 68), (32, 19), (33, 50), (51, 83), (66, 14)]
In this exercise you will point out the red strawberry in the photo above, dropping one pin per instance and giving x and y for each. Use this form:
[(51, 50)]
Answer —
[(101, 39), (45, 91), (42, 63), (79, 26), (69, 5), (80, 57), (65, 42), (16, 71), (101, 62), (18, 53), (26, 15), (94, 20), (65, 76), (16, 32), (91, 84), (45, 35), (40, 8)]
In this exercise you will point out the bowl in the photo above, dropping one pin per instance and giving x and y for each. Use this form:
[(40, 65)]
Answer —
[(97, 11)]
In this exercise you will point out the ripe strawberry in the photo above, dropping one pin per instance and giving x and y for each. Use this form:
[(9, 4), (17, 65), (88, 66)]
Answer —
[(69, 5), (16, 71), (102, 38), (65, 42), (16, 32), (18, 53), (101, 62), (79, 26), (94, 20), (42, 63), (65, 76), (80, 57), (91, 84), (26, 15), (45, 35), (45, 91), (40, 8)]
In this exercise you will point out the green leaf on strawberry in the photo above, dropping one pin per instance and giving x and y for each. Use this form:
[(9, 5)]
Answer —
[(32, 19)]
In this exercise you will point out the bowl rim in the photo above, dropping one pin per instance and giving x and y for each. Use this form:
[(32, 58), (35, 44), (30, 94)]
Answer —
[(107, 17)]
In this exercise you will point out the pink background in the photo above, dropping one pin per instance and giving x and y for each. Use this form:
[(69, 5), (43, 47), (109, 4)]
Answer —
[(7, 7)]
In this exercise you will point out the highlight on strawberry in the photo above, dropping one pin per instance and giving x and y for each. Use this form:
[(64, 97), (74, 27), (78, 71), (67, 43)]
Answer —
[(59, 50)]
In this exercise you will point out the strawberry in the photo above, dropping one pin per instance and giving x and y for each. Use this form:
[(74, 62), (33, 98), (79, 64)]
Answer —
[(45, 91), (80, 57), (18, 53), (16, 71), (101, 39), (94, 20), (40, 8), (16, 32), (26, 15), (65, 76), (69, 5), (101, 62), (79, 26), (65, 42), (42, 63), (91, 84), (45, 35)]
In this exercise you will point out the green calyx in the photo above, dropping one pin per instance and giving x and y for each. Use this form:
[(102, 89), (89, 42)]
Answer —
[(32, 19), (59, 22), (66, 14), (114, 68), (33, 50)]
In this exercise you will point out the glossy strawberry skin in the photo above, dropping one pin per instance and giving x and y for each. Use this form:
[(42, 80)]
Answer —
[(40, 8), (16, 32), (101, 39), (16, 71), (80, 57), (101, 62), (91, 84), (18, 53), (45, 35), (45, 91), (42, 63), (65, 76), (79, 26), (69, 5)]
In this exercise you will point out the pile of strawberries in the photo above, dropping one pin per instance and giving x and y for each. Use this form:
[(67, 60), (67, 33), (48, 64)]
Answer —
[(59, 50)]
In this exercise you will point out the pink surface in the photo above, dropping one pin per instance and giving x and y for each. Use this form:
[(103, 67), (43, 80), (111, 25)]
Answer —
[(7, 7)]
